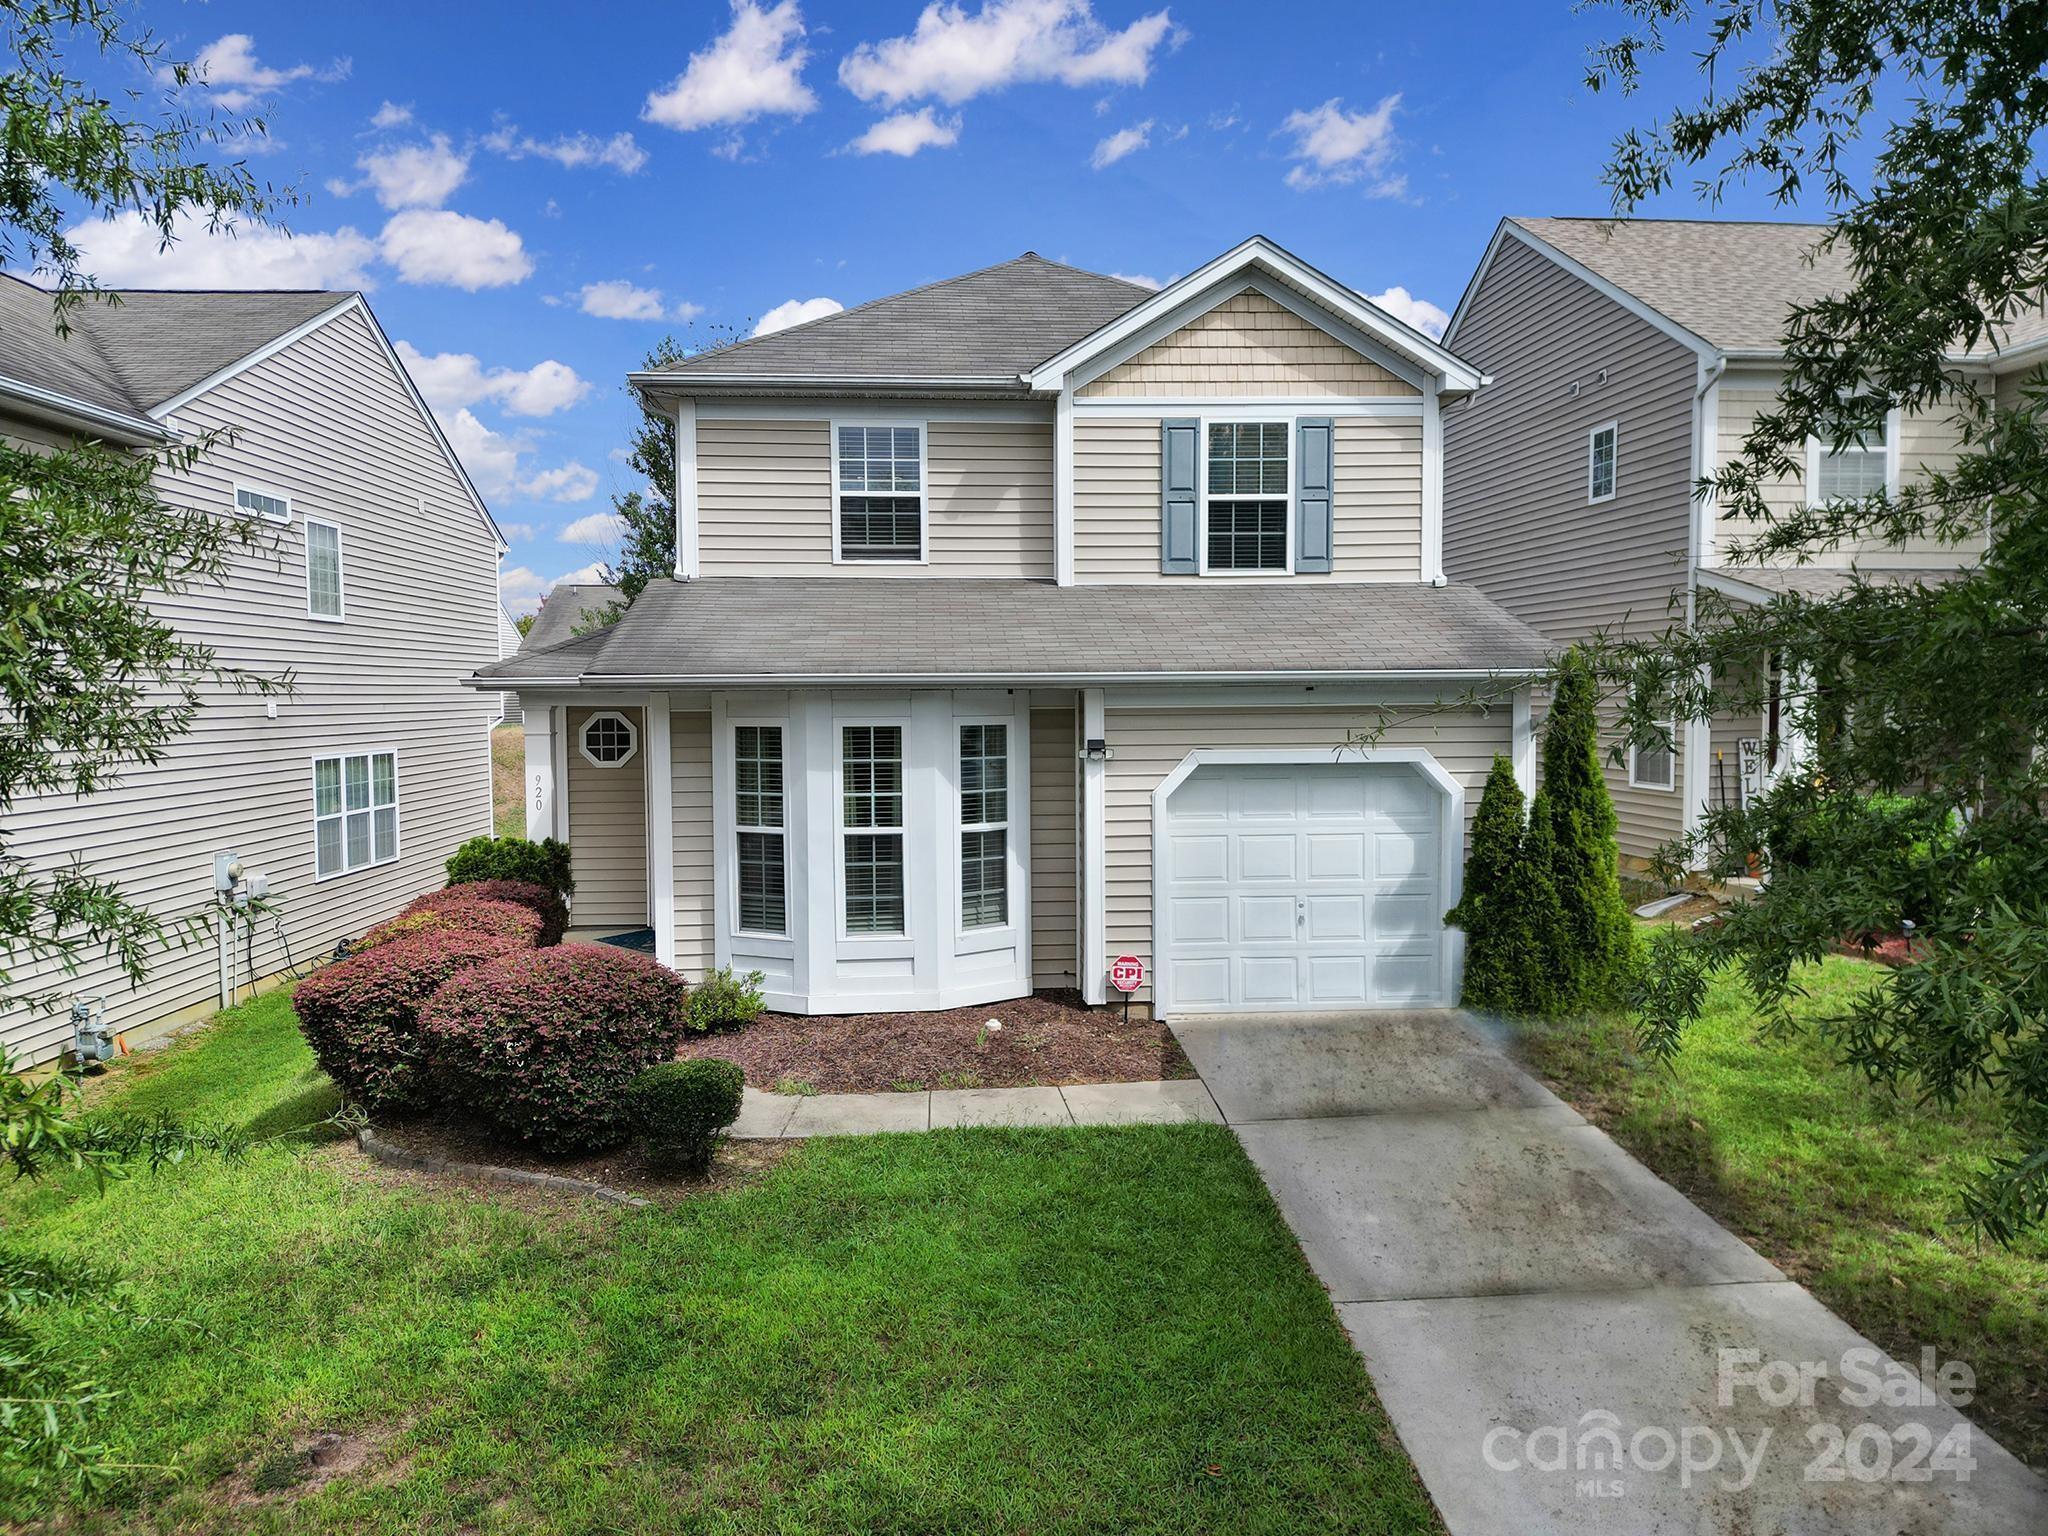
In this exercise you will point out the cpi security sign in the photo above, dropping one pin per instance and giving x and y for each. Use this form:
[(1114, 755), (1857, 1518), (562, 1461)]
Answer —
[(1127, 973)]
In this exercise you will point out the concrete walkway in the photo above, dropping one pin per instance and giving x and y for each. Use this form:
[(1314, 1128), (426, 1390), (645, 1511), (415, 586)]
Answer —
[(778, 1116), (1564, 1342)]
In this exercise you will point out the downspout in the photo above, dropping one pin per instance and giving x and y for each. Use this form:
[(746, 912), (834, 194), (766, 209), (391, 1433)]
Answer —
[(1706, 431)]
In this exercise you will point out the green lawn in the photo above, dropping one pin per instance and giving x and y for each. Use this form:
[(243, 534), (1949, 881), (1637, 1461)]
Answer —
[(1849, 1190), (508, 780), (967, 1330)]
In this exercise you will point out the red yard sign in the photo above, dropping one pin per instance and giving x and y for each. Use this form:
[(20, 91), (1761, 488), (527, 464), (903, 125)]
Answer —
[(1127, 973)]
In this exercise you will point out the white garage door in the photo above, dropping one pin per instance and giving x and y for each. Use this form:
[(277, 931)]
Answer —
[(1302, 886)]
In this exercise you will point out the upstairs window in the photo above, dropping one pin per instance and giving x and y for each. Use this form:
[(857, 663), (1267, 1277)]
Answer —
[(880, 485), (1247, 504), (984, 826), (271, 508), (355, 812), (758, 810), (1602, 455), (323, 569), (1859, 468)]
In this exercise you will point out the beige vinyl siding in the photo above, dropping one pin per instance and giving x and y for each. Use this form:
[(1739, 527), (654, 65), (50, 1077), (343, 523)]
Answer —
[(1929, 442), (1149, 744), (329, 422), (1247, 345), (764, 498), (608, 831), (1376, 510), (1053, 950), (990, 511), (690, 786), (1517, 519)]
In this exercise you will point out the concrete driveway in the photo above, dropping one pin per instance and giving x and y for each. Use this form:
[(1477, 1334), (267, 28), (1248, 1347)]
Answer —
[(1564, 1342)]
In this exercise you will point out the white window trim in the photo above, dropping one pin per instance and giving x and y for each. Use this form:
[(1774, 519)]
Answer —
[(901, 831), (1817, 450), (924, 493), (1286, 499), (1614, 486), (1635, 781), (340, 572), (632, 732), (235, 501), (734, 725), (397, 806), (963, 931)]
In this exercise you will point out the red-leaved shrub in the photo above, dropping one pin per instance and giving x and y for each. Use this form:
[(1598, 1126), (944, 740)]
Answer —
[(362, 1015), (498, 919), (554, 912), (542, 1044)]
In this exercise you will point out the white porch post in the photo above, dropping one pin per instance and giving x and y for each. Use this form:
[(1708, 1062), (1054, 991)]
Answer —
[(1094, 960), (1698, 764), (659, 774), (542, 820)]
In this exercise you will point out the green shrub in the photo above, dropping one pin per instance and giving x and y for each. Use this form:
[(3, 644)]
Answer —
[(682, 1108), (1597, 946), (725, 1001), (1494, 931), (512, 858)]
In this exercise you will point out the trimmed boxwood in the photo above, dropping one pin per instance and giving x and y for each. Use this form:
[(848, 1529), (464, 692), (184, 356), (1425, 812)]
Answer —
[(497, 919), (543, 1044), (362, 1015), (554, 912), (512, 858), (682, 1108)]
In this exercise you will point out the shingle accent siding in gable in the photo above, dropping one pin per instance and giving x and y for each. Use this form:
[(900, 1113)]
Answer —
[(328, 421), (1517, 520), (1247, 345)]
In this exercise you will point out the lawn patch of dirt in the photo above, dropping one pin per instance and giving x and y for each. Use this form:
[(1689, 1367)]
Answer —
[(1048, 1039), (626, 1169), (307, 1464)]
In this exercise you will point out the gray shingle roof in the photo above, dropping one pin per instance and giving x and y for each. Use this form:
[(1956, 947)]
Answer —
[(150, 347), (562, 610), (1730, 282), (989, 325), (739, 629)]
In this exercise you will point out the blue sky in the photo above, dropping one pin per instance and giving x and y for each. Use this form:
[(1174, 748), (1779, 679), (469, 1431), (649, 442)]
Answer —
[(534, 194)]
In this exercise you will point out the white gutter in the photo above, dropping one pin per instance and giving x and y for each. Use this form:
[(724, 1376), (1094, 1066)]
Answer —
[(983, 679), (119, 424)]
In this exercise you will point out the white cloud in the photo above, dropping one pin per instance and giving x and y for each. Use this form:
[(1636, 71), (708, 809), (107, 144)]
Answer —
[(236, 78), (122, 252), (795, 312), (1336, 147), (1139, 278), (600, 528), (955, 57), (450, 379), (521, 588), (755, 69), (1403, 305), (621, 152), (905, 133), (391, 115), (436, 246), (413, 175), (517, 533), (1125, 141), (593, 574), (496, 462), (617, 299)]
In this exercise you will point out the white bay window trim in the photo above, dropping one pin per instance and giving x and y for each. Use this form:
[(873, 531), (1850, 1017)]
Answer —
[(977, 794), (761, 743), (840, 555)]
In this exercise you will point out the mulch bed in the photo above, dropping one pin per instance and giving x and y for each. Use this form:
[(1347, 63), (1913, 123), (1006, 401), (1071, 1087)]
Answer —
[(1047, 1039), (623, 1168)]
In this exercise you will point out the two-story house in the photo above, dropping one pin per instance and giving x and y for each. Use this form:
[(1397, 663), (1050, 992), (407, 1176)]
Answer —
[(1629, 360), (372, 583), (1030, 621)]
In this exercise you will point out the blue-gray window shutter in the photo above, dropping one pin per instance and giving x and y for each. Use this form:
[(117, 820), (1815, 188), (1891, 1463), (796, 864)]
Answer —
[(1180, 446), (1314, 457)]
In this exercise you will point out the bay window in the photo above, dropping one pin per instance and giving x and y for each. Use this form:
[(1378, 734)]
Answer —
[(871, 826), (984, 826), (758, 811)]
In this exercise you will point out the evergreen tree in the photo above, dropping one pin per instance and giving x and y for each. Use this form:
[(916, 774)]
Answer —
[(1533, 968), (1482, 911), (1596, 946)]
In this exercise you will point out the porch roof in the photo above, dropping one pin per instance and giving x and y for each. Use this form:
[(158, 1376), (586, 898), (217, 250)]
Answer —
[(883, 630)]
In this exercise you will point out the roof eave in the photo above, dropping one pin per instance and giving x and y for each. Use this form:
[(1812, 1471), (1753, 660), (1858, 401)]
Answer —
[(68, 411), (1075, 679), (690, 385)]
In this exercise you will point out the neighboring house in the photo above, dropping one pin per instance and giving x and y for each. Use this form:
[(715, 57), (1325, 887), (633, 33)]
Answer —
[(509, 639), (571, 607), (1020, 624), (1628, 360), (374, 584)]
